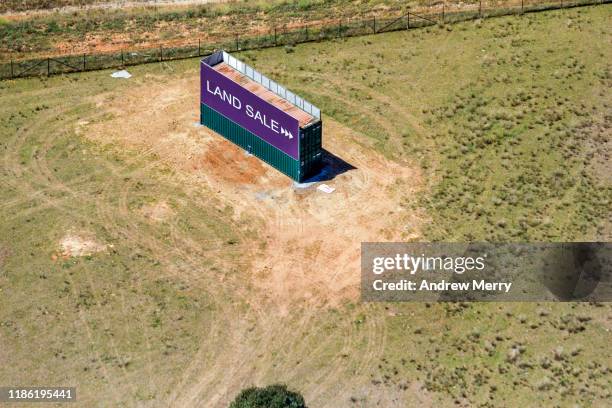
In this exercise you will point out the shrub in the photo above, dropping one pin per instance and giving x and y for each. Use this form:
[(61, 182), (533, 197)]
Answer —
[(272, 396)]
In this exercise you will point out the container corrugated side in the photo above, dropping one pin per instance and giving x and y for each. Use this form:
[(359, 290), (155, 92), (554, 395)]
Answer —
[(250, 142), (311, 153)]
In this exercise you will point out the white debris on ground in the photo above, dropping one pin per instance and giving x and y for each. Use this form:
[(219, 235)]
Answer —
[(300, 186), (75, 245), (121, 74), (325, 188)]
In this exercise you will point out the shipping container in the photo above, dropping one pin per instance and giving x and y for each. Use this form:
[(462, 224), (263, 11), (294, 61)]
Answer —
[(261, 116)]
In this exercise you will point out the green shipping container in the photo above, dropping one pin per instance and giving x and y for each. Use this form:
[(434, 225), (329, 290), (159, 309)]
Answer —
[(261, 116), (310, 145)]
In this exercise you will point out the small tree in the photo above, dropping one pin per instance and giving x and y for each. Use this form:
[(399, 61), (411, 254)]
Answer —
[(272, 396)]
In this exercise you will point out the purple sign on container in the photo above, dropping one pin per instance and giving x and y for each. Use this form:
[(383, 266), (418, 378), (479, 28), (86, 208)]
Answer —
[(249, 111)]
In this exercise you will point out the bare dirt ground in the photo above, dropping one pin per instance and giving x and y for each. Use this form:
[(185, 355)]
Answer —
[(107, 5), (74, 244), (307, 223), (158, 212), (186, 31), (307, 257)]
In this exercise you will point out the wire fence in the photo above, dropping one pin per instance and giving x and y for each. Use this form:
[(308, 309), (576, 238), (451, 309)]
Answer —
[(437, 15)]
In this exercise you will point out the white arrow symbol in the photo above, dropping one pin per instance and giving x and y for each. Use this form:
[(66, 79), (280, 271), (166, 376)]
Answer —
[(285, 132)]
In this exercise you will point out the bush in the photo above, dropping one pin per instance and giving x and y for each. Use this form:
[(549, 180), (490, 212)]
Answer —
[(272, 396)]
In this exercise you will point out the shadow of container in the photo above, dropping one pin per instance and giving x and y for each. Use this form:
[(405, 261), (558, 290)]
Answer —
[(331, 166)]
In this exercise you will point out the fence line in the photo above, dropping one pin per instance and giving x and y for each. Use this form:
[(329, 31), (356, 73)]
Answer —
[(339, 29)]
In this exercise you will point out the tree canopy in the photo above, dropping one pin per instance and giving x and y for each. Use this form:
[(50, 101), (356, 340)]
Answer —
[(272, 396)]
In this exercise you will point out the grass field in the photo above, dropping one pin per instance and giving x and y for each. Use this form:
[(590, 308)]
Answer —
[(140, 261), (513, 132)]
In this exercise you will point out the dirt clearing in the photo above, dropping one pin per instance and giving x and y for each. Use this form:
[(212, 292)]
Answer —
[(312, 240), (157, 212), (73, 244), (303, 259)]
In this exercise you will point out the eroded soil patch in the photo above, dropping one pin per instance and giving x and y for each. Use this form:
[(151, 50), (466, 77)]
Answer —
[(78, 244)]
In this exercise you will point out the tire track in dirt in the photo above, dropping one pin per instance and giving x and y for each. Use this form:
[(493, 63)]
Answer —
[(156, 247), (181, 247), (328, 375), (375, 329), (129, 229), (41, 185), (268, 330), (12, 166), (179, 242), (27, 181), (117, 222), (39, 173), (236, 336), (291, 292), (41, 165)]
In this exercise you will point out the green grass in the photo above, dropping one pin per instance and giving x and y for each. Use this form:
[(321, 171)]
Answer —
[(111, 319), (514, 108), (504, 121), (506, 118)]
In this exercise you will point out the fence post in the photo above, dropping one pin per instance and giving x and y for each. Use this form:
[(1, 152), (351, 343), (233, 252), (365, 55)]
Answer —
[(522, 5), (339, 24), (443, 4), (237, 44), (408, 15), (275, 42), (122, 60), (48, 66), (161, 53), (374, 24), (12, 73), (480, 8), (306, 33), (199, 53), (83, 62)]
